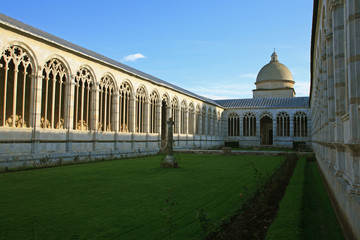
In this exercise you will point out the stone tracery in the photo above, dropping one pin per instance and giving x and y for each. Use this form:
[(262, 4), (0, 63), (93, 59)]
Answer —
[(83, 100), (283, 124), (16, 69), (106, 104), (53, 105), (124, 106)]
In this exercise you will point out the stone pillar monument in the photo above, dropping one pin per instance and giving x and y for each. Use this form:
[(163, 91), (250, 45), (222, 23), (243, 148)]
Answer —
[(169, 161)]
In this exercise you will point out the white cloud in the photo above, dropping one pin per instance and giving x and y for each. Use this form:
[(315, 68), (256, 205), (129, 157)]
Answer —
[(302, 88), (248, 75), (133, 57), (224, 90)]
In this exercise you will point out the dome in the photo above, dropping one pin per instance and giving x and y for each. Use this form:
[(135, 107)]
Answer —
[(274, 80), (274, 70)]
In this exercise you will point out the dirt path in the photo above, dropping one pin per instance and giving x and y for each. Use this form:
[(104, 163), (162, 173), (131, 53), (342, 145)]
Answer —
[(253, 220)]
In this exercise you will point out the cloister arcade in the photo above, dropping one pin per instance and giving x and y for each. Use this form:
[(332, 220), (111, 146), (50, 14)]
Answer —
[(56, 101), (60, 101)]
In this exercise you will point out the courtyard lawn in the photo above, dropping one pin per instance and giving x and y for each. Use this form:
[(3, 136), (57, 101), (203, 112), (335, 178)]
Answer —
[(320, 221), (305, 212), (126, 199)]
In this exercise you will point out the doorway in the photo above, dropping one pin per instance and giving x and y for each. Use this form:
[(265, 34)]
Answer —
[(266, 130)]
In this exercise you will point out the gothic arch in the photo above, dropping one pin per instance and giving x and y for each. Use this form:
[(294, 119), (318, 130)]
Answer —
[(125, 96), (283, 124), (28, 49), (165, 97), (153, 105), (183, 117), (249, 124), (63, 60), (54, 94), (144, 89), (107, 92), (109, 74), (266, 114), (84, 99), (140, 105), (93, 75), (130, 85), (233, 124), (17, 72)]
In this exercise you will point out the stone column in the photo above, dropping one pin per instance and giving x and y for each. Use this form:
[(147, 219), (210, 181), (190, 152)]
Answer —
[(292, 126), (353, 63), (146, 117), (258, 128), (168, 112), (94, 109), (36, 100), (115, 108), (186, 125), (274, 127), (337, 10), (200, 123), (69, 115), (132, 115), (36, 110), (158, 117), (177, 127)]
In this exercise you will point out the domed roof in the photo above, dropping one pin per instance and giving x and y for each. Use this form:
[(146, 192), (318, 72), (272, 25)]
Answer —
[(274, 70)]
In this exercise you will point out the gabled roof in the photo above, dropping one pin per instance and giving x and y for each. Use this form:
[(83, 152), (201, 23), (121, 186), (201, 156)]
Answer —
[(280, 102), (15, 24)]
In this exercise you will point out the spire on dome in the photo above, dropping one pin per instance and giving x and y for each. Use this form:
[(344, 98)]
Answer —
[(274, 57)]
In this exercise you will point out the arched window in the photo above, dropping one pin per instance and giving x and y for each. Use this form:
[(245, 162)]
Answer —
[(203, 122), (191, 118), (214, 122), (124, 107), (249, 125), (197, 125), (283, 124), (53, 95), (219, 124), (16, 69), (233, 125), (106, 104), (153, 113), (300, 124), (209, 122), (174, 109), (83, 100), (183, 117), (140, 110)]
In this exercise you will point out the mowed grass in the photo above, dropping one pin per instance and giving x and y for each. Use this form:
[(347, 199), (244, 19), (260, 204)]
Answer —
[(305, 212), (320, 221), (125, 199)]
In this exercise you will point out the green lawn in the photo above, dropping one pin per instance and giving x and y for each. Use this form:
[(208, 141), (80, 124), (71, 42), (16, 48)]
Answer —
[(264, 149), (287, 224), (319, 218), (305, 212), (125, 199)]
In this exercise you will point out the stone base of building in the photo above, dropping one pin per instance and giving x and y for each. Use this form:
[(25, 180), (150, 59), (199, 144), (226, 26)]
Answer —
[(19, 148)]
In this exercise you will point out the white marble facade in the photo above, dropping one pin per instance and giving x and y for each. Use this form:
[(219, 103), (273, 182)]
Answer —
[(335, 104)]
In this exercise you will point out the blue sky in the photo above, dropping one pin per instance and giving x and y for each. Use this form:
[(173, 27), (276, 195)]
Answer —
[(212, 48)]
